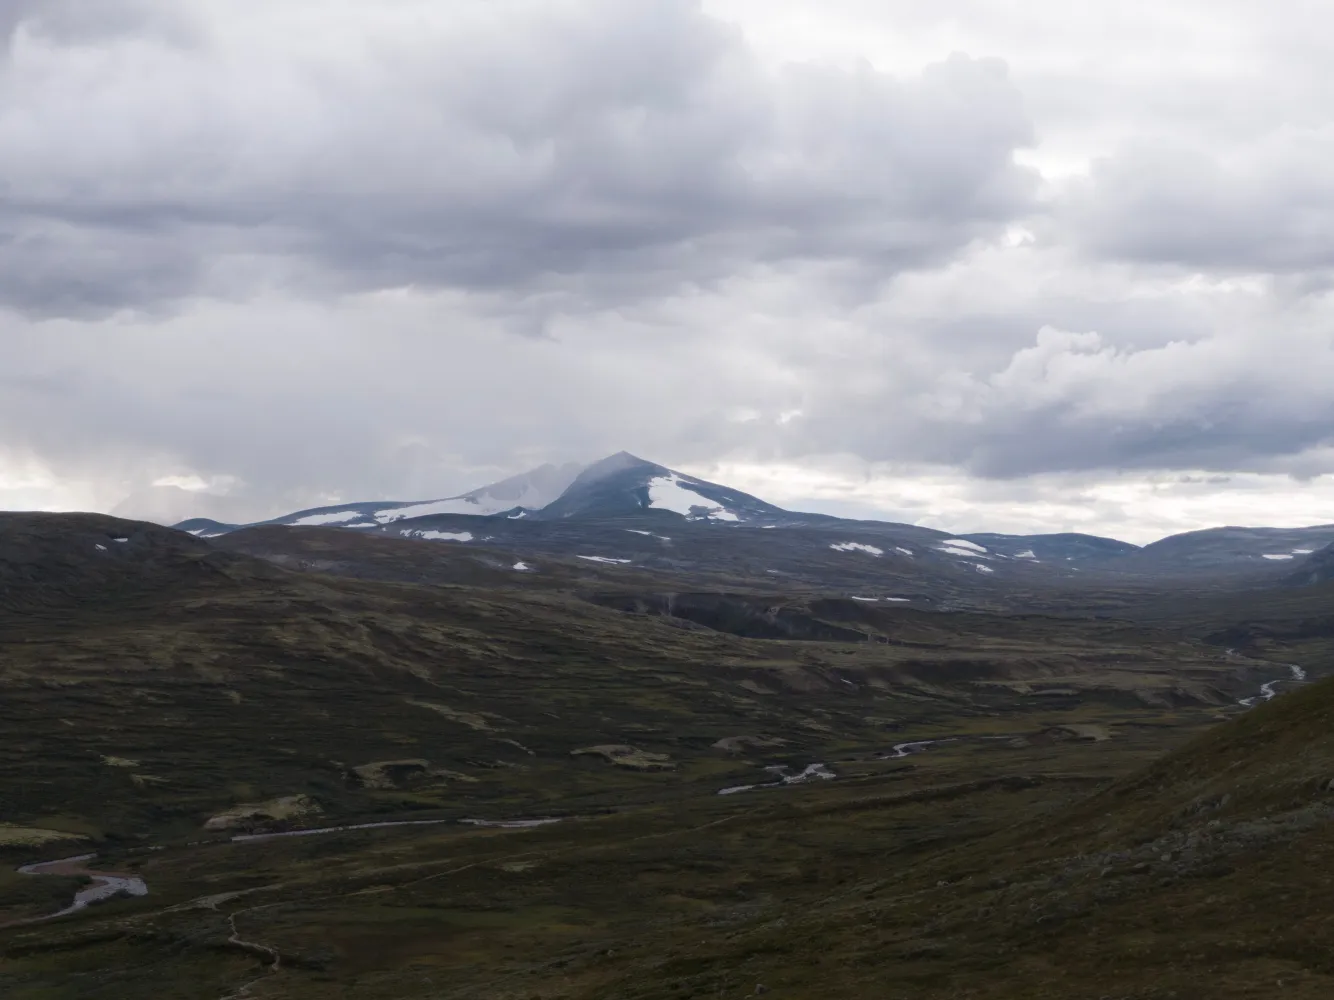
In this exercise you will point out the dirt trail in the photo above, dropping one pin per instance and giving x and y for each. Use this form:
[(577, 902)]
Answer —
[(274, 957)]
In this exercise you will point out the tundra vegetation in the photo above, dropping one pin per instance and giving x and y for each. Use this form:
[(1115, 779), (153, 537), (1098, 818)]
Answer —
[(1065, 800)]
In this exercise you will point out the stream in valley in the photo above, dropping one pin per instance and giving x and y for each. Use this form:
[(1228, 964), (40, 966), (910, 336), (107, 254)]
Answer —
[(821, 772), (1267, 691), (107, 885), (104, 885)]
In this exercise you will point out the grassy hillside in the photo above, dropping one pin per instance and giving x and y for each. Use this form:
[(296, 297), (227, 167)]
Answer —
[(144, 695), (160, 695), (970, 872)]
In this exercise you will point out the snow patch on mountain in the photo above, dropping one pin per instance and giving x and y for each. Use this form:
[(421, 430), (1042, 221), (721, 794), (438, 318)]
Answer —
[(961, 547), (444, 536), (521, 494), (857, 547), (332, 517), (673, 493), (1028, 554), (454, 505), (983, 569), (604, 559), (1280, 555), (907, 552)]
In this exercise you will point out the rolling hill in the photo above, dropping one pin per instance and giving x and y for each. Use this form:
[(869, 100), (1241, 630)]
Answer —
[(130, 642)]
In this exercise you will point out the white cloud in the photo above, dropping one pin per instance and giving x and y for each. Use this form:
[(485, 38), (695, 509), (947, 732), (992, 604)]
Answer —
[(1135, 507)]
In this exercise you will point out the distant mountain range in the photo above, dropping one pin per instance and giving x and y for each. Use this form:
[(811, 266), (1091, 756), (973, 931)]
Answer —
[(626, 510)]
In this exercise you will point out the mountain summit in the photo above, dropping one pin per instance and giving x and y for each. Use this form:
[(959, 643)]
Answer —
[(624, 484), (617, 486)]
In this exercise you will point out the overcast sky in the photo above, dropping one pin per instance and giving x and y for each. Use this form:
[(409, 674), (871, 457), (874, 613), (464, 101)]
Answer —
[(974, 264)]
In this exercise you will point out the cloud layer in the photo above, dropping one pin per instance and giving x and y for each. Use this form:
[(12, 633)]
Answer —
[(311, 250), (593, 149)]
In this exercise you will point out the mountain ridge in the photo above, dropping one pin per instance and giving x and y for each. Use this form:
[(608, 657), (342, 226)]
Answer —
[(656, 501), (624, 484)]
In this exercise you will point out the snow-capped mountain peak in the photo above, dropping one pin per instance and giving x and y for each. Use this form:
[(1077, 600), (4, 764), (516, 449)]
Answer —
[(617, 486), (623, 485)]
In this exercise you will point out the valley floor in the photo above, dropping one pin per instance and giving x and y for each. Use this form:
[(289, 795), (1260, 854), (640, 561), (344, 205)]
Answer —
[(937, 875)]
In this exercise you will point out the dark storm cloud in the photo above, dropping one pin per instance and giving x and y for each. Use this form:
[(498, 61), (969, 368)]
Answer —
[(1243, 399), (601, 146)]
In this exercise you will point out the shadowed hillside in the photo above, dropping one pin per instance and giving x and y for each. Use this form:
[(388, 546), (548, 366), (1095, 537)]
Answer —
[(82, 562)]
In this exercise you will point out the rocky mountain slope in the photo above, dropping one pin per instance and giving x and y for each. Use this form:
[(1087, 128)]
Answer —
[(1314, 569)]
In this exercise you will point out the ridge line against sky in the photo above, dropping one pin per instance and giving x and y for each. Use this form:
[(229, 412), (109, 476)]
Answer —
[(837, 503), (971, 266)]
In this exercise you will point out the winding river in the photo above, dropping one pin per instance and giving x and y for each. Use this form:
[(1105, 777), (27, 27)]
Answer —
[(242, 838), (813, 772), (1267, 691), (908, 749), (104, 885), (821, 772)]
